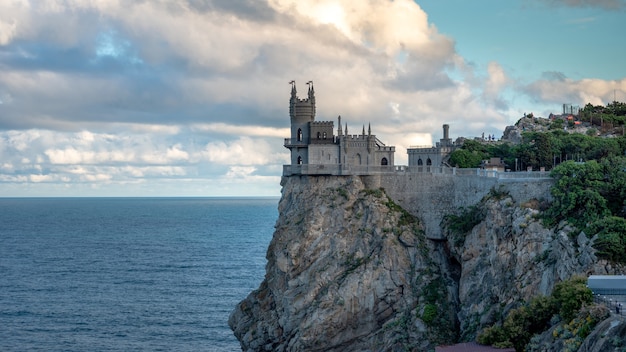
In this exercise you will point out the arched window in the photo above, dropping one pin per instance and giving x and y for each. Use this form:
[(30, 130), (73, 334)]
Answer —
[(299, 160), (428, 162), (319, 135), (420, 162), (384, 162), (324, 135), (299, 135), (358, 159)]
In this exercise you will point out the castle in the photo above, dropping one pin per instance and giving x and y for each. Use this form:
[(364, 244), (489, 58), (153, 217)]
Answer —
[(428, 186), (316, 150)]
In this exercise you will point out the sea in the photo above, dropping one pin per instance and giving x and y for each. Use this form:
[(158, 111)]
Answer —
[(128, 274)]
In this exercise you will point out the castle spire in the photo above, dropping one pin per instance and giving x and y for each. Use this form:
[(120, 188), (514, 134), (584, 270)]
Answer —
[(339, 132), (293, 89), (293, 99), (369, 129), (363, 133), (311, 95), (311, 90), (346, 128)]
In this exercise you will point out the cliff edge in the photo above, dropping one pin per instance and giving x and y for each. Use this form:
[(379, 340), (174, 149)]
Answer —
[(350, 270)]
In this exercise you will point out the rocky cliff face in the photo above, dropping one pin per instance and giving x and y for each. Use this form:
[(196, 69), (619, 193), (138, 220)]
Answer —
[(349, 270), (509, 257)]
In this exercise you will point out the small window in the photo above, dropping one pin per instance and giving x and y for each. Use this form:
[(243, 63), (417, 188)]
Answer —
[(428, 162), (384, 162), (299, 160), (318, 135), (299, 135), (324, 135), (419, 162)]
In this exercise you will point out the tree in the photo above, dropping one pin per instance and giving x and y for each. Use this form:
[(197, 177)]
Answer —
[(611, 241), (570, 295), (576, 194), (465, 158)]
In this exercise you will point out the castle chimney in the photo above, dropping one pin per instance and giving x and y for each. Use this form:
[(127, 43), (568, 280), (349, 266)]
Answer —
[(446, 129)]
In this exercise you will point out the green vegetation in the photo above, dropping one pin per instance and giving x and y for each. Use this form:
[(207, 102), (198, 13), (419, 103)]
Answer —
[(430, 313), (436, 313), (590, 173), (547, 149), (520, 324), (461, 224), (592, 197), (458, 225), (614, 114), (540, 149)]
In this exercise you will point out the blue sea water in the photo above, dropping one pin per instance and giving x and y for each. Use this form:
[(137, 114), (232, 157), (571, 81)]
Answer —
[(128, 274)]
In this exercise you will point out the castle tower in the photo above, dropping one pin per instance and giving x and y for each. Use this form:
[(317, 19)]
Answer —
[(301, 113)]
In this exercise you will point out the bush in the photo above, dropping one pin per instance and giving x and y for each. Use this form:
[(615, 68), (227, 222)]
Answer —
[(535, 316), (611, 241), (430, 312), (571, 295), (461, 224)]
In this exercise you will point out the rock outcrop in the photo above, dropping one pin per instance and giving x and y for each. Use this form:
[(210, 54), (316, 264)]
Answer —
[(509, 257), (350, 270)]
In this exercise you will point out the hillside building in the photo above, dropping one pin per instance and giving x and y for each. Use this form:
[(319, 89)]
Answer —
[(425, 158)]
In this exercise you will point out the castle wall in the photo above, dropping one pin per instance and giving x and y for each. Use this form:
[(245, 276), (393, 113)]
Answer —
[(431, 196), (323, 154)]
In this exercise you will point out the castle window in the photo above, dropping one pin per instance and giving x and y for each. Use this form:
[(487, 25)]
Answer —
[(358, 158), (384, 162), (318, 135), (299, 135), (299, 160), (419, 162), (428, 162), (324, 135)]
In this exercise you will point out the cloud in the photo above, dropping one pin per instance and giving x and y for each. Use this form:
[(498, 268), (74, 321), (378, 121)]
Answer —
[(147, 93), (495, 84), (565, 90), (243, 151)]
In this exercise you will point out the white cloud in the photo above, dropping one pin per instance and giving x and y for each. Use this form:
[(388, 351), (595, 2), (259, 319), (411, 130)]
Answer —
[(186, 90), (243, 151), (566, 90), (240, 171), (256, 131)]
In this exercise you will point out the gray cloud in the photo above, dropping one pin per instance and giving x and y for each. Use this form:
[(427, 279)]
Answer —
[(151, 94)]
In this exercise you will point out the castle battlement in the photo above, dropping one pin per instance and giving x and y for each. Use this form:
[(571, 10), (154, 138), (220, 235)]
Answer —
[(314, 143)]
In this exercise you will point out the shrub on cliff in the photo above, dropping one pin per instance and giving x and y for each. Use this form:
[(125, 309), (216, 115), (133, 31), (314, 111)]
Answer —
[(592, 197), (611, 241), (571, 295), (519, 325)]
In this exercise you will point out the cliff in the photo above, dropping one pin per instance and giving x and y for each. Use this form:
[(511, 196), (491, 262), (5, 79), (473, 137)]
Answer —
[(350, 270)]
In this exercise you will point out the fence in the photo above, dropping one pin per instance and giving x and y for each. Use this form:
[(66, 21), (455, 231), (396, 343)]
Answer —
[(338, 169)]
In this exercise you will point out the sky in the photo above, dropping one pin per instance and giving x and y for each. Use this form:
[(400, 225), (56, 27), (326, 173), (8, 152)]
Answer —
[(191, 97)]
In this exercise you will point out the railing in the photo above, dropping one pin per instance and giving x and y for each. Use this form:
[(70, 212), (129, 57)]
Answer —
[(615, 303), (337, 169), (294, 142)]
